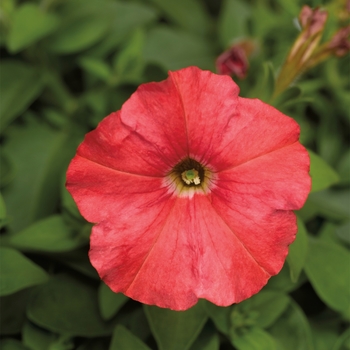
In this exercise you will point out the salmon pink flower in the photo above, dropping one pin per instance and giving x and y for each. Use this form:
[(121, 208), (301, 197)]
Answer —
[(192, 191)]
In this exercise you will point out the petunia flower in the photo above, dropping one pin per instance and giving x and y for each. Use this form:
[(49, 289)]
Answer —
[(192, 191)]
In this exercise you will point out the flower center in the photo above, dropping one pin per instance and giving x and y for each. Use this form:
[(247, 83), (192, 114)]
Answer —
[(189, 177)]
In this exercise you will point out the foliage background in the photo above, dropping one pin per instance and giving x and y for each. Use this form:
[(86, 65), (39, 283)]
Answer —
[(66, 64)]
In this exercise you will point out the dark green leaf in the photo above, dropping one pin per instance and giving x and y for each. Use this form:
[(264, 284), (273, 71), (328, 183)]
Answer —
[(322, 175), (2, 210), (123, 339), (220, 316), (176, 329), (109, 302), (233, 21), (29, 25), (13, 311), (343, 168), (297, 252), (265, 83), (37, 338), (12, 344), (268, 305), (292, 330), (208, 339), (343, 342), (68, 306), (42, 154), (343, 232), (191, 15), (174, 49), (327, 267), (254, 339), (20, 85), (18, 272), (96, 67), (47, 235)]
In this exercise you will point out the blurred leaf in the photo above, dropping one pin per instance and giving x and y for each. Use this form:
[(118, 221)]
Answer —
[(327, 267), (6, 170), (343, 168), (176, 329), (265, 83), (97, 67), (20, 85), (254, 339), (191, 15), (12, 344), (2, 210), (232, 22), (173, 49), (13, 309), (47, 235), (220, 316), (268, 306), (29, 25), (343, 232), (128, 63), (333, 204), (322, 175), (343, 342), (123, 339), (208, 339), (325, 329), (292, 330), (37, 338), (42, 154), (68, 306), (109, 302), (297, 252), (18, 272), (82, 25)]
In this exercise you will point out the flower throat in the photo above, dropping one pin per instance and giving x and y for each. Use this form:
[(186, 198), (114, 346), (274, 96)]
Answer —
[(190, 172)]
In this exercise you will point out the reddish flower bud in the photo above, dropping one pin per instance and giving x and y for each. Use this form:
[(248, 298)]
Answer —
[(340, 43)]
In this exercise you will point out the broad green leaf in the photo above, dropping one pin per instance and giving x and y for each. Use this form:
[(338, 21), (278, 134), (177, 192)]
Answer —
[(292, 330), (123, 339), (109, 302), (343, 232), (47, 235), (343, 168), (83, 24), (2, 210), (232, 21), (97, 67), (42, 154), (173, 49), (322, 175), (128, 63), (29, 25), (37, 338), (327, 267), (12, 344), (297, 252), (208, 339), (13, 311), (20, 85), (254, 339), (267, 305), (68, 306), (220, 316), (325, 330), (176, 329), (18, 272), (343, 342), (191, 15)]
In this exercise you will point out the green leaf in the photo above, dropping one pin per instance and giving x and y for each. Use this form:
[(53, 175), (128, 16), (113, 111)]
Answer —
[(174, 49), (83, 24), (232, 21), (18, 272), (191, 15), (97, 67), (297, 252), (13, 311), (343, 168), (20, 85), (2, 210), (254, 339), (123, 339), (220, 316), (29, 25), (265, 83), (176, 329), (322, 175), (12, 344), (109, 302), (68, 306), (208, 339), (343, 342), (327, 269), (128, 63), (37, 338), (268, 305), (343, 232), (292, 330), (47, 235), (42, 154)]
